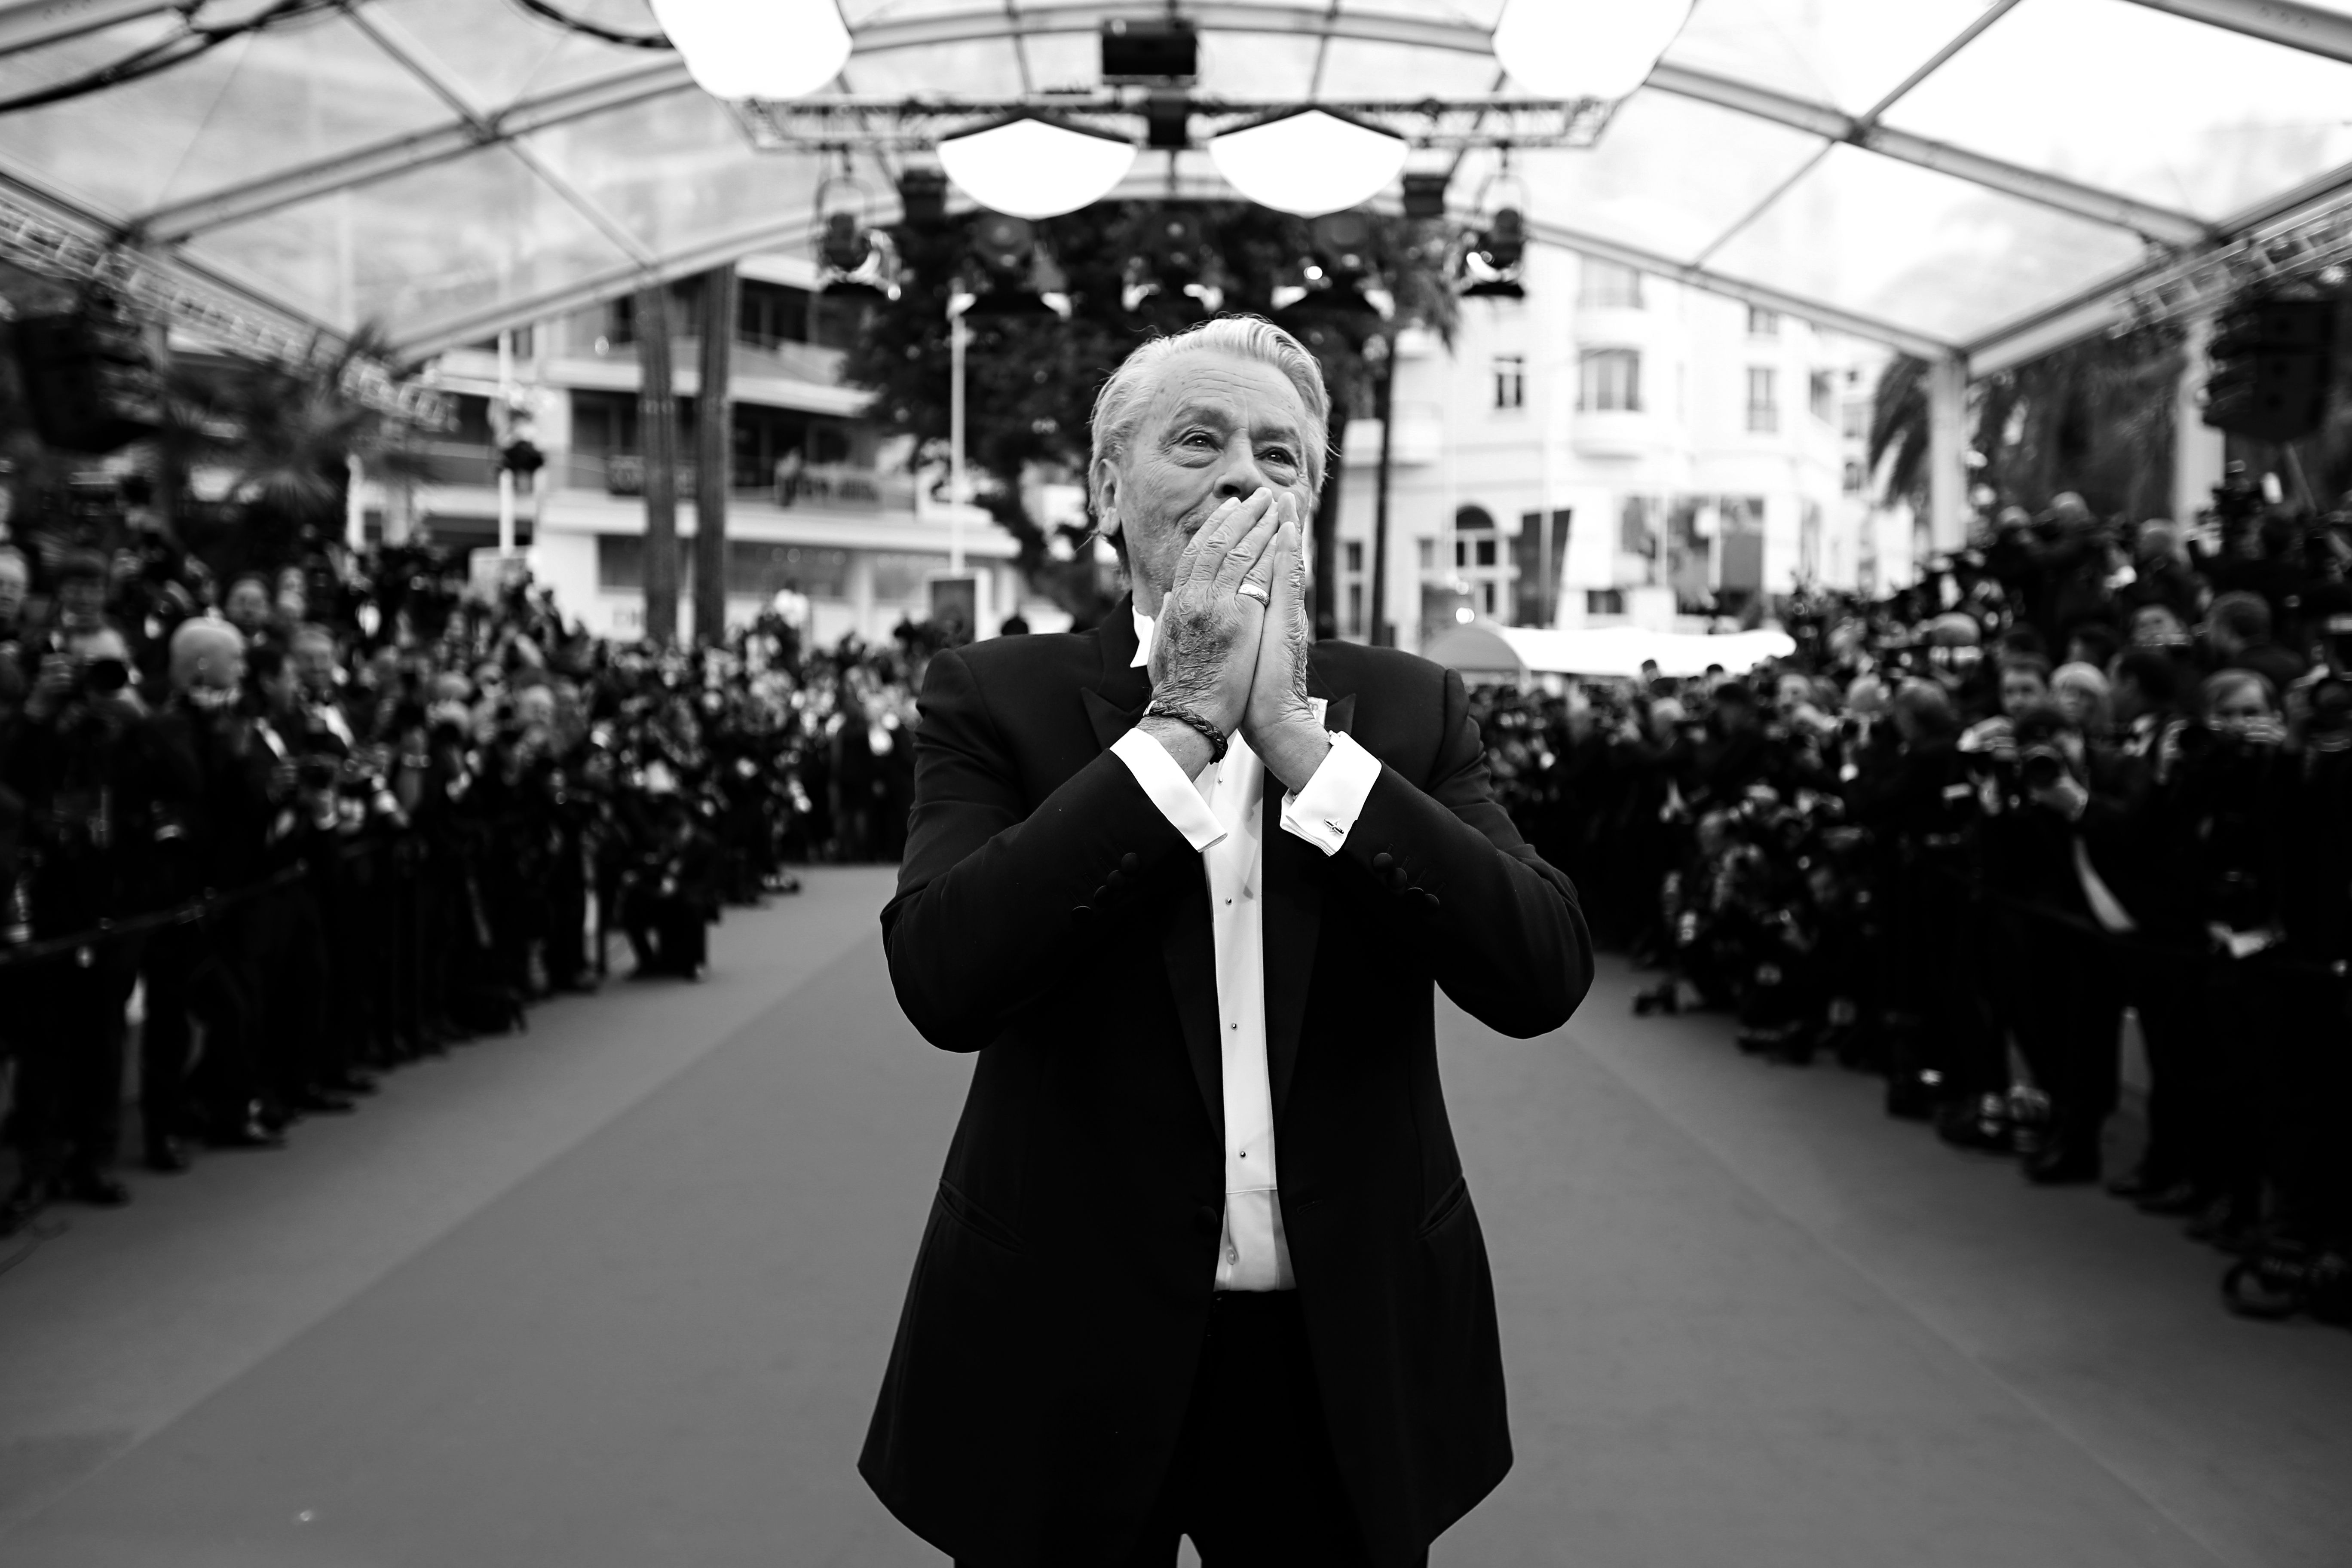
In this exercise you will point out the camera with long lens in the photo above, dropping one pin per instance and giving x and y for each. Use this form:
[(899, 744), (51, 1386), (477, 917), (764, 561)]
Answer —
[(2040, 767)]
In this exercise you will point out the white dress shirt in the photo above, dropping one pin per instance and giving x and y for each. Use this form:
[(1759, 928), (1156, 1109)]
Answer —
[(1219, 813)]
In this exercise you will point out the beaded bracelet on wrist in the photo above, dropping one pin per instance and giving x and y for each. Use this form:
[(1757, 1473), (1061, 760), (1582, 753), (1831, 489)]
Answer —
[(1208, 731)]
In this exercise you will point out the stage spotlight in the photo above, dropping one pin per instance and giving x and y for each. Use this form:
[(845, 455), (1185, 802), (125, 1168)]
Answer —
[(1424, 195), (1493, 262), (1006, 248)]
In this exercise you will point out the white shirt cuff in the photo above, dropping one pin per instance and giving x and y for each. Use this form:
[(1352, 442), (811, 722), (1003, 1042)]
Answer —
[(1170, 790), (1328, 808)]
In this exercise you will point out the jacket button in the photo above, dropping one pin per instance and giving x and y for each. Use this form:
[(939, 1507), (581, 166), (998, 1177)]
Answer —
[(1101, 894), (1130, 863), (1206, 1221), (1383, 860), (1428, 899), (1399, 879), (1082, 913)]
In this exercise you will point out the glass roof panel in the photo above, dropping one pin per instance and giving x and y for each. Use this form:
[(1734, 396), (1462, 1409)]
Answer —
[(499, 53), (1668, 174), (676, 171), (977, 68), (1355, 69), (1476, 12), (1258, 66), (421, 248), (2164, 129), (1969, 259), (255, 105), (1850, 53), (1060, 60)]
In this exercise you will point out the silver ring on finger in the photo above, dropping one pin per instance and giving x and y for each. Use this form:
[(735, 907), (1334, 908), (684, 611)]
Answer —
[(1252, 590)]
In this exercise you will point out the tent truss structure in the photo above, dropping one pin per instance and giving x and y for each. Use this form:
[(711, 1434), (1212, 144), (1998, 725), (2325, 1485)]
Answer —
[(1777, 142)]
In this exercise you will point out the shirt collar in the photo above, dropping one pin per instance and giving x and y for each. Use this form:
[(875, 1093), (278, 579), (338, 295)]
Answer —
[(1143, 627)]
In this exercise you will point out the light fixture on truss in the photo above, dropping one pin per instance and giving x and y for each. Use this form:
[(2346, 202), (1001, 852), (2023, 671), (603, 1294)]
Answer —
[(1032, 166), (1495, 252), (1596, 49), (1309, 161), (765, 49), (856, 261)]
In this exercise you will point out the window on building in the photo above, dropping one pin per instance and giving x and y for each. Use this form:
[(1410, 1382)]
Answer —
[(1855, 423), (771, 313), (1609, 379), (1820, 393), (1763, 399), (1605, 283), (1763, 323), (1604, 601), (1855, 476), (1510, 381), (1425, 555), (1474, 539)]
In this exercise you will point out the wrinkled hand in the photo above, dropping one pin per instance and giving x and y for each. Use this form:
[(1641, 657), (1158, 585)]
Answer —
[(1280, 723), (1204, 646)]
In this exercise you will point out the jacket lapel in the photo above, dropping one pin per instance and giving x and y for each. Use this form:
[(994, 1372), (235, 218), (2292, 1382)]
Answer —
[(1294, 916), (1187, 945)]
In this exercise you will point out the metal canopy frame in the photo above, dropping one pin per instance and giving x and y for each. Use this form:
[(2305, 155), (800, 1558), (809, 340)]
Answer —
[(474, 126)]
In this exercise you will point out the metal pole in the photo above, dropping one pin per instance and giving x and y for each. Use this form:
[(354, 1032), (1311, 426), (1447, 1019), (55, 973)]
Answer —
[(500, 431), (955, 438), (1384, 410), (354, 505), (1948, 465), (2199, 457), (658, 438), (714, 454)]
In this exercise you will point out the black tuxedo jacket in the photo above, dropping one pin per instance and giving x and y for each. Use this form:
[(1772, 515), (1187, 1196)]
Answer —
[(1049, 919)]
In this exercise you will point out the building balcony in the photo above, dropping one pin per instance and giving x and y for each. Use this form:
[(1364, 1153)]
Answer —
[(1420, 436), (1621, 433), (827, 487)]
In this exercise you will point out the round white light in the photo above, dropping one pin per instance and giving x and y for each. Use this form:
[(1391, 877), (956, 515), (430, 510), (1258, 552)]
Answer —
[(1310, 162), (1034, 168), (1464, 615), (1586, 48), (757, 48)]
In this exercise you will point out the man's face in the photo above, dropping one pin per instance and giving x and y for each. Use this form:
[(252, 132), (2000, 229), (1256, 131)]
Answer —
[(314, 664), (1217, 428), (2021, 689), (2154, 626), (247, 606), (14, 583), (81, 601)]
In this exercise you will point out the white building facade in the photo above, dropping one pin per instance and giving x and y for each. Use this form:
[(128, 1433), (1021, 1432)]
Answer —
[(818, 502), (1691, 452)]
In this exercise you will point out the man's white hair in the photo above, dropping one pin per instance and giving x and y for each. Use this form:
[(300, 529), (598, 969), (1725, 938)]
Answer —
[(1119, 406)]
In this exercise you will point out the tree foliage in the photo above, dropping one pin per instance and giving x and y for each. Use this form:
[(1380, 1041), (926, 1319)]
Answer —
[(1032, 379), (2095, 417)]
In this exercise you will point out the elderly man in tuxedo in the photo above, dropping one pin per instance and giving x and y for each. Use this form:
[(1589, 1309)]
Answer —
[(1202, 1262)]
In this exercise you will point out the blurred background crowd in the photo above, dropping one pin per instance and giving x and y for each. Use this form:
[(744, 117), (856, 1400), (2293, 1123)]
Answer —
[(2085, 766), (263, 839)]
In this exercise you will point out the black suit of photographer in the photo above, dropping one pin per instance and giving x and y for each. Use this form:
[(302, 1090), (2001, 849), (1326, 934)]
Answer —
[(98, 787)]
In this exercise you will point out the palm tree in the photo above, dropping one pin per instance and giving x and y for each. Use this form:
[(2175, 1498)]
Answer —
[(2095, 417)]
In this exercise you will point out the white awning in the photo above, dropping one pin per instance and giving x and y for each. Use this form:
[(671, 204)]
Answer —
[(1513, 652)]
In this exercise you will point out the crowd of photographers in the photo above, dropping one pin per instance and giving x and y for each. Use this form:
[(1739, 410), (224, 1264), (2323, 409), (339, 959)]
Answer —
[(2081, 768), (302, 828)]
